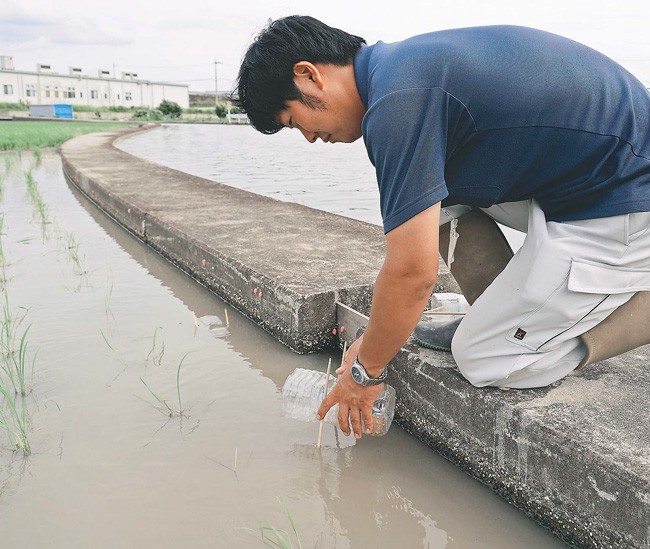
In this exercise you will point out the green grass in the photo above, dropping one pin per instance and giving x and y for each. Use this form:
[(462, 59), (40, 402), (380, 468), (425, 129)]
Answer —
[(195, 110), (97, 108), (13, 107), (29, 135)]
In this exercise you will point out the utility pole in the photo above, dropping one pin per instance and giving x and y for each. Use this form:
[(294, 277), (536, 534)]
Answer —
[(216, 83)]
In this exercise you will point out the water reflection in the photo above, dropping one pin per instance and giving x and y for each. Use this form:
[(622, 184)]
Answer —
[(365, 473)]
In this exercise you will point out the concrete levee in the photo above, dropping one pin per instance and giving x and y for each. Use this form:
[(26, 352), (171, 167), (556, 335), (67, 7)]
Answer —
[(575, 456), (284, 265)]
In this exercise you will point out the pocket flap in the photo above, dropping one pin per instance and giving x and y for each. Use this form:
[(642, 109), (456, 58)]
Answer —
[(597, 278)]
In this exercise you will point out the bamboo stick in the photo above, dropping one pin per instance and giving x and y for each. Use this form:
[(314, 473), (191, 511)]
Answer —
[(327, 381)]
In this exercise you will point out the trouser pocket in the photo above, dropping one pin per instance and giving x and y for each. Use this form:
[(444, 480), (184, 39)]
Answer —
[(590, 277)]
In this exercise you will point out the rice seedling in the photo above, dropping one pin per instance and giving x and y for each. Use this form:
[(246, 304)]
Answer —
[(157, 353), (281, 538), (8, 165), (106, 341), (38, 202), (14, 359), (19, 362), (234, 465), (178, 382), (3, 277), (164, 405), (9, 162), (14, 421), (107, 301), (75, 256)]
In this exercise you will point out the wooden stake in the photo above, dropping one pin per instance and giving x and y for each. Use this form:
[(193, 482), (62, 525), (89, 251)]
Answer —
[(327, 379), (227, 321), (345, 346), (327, 382)]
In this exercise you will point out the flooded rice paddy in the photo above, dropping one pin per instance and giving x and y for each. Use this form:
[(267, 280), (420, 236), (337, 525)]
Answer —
[(154, 423)]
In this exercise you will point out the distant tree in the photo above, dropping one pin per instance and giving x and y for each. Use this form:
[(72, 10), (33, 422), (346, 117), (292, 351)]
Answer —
[(147, 114), (220, 110), (170, 108)]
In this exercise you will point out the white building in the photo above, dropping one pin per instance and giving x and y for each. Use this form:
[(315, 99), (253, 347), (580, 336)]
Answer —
[(75, 88)]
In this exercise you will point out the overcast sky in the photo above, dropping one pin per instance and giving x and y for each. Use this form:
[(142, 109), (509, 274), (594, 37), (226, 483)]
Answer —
[(178, 41)]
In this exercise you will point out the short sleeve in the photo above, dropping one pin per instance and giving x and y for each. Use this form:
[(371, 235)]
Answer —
[(405, 133)]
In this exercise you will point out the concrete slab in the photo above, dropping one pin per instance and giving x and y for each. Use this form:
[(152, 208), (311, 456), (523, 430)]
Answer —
[(574, 456)]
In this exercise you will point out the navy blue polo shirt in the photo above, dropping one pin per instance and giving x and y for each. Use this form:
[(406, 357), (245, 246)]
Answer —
[(486, 115)]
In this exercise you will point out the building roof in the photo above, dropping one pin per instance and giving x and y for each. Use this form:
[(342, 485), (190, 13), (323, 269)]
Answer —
[(90, 77)]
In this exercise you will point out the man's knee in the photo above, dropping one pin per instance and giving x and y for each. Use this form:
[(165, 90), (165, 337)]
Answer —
[(470, 359), (483, 361)]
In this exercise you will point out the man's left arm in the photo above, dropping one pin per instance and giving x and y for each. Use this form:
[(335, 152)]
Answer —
[(401, 292)]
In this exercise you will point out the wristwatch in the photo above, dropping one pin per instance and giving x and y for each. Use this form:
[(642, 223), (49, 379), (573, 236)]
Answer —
[(361, 377)]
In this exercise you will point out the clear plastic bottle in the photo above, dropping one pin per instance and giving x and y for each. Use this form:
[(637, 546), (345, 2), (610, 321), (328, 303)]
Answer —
[(304, 390)]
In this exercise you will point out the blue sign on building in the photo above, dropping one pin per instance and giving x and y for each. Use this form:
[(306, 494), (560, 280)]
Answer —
[(59, 110)]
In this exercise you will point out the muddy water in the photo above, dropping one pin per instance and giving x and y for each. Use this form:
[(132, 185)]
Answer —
[(109, 468)]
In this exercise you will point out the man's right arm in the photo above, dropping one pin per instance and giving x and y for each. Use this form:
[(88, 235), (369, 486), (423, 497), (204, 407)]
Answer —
[(401, 292), (402, 289)]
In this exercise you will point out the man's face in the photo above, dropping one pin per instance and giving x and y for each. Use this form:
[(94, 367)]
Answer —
[(320, 120), (332, 109)]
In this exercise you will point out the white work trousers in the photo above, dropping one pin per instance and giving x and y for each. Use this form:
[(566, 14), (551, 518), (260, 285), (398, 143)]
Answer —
[(524, 330)]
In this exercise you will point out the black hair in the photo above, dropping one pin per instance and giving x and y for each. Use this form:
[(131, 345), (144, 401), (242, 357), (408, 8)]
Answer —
[(265, 81)]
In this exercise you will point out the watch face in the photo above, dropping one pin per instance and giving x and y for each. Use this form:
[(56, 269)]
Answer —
[(356, 374)]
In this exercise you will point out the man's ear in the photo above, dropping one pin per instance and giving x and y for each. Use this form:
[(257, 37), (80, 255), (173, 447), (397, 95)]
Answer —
[(304, 71)]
